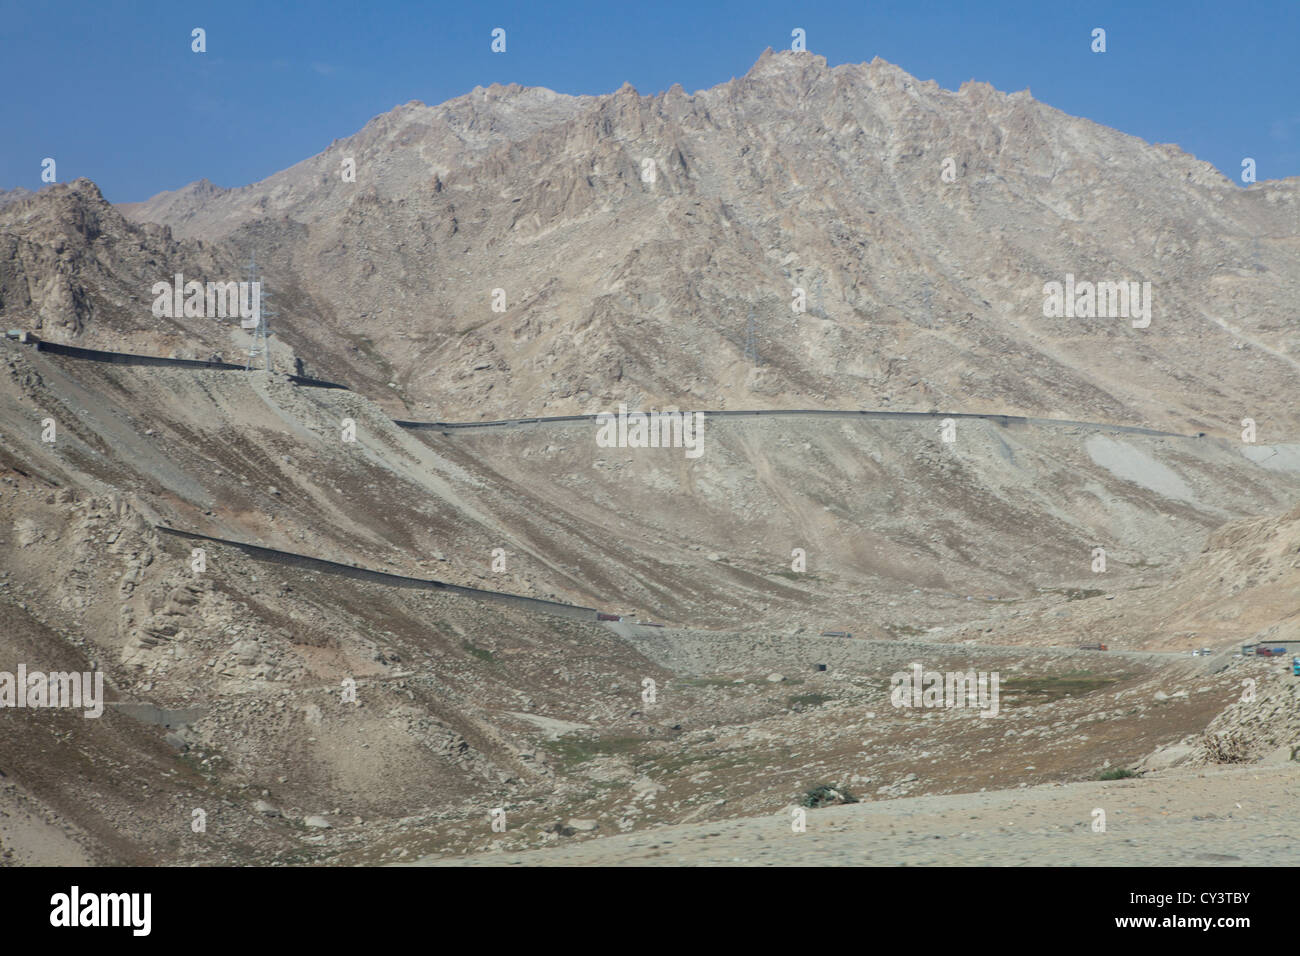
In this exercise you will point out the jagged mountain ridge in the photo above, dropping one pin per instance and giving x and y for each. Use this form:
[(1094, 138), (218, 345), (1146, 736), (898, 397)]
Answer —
[(921, 293)]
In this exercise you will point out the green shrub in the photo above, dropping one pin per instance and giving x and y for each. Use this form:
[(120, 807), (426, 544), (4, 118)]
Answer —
[(826, 796), (1116, 773), (481, 653)]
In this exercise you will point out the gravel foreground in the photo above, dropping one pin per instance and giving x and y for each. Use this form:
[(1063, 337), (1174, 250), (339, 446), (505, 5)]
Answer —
[(1230, 817)]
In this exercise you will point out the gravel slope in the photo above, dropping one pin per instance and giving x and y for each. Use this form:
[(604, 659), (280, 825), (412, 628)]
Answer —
[(1237, 817)]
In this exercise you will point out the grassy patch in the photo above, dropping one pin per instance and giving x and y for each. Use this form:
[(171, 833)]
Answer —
[(479, 652), (1073, 684), (667, 766), (1116, 773), (575, 750)]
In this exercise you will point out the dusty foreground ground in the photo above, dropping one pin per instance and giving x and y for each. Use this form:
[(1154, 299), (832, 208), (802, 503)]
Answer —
[(1237, 817), (230, 735)]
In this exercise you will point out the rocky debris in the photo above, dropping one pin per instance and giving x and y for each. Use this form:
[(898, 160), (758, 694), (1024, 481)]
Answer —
[(1046, 825), (722, 157), (1259, 726), (826, 796), (266, 648)]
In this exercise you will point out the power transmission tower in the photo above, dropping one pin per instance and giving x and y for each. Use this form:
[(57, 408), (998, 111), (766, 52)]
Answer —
[(751, 340), (261, 332)]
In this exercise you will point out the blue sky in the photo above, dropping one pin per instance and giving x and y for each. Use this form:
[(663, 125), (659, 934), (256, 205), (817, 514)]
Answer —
[(112, 91)]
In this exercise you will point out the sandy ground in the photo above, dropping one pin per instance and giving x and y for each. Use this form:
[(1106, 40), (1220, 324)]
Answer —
[(1234, 817), (30, 836)]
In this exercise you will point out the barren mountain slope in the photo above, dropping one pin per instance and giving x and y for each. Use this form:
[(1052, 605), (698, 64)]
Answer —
[(1243, 587), (226, 683), (921, 292), (900, 530), (467, 706)]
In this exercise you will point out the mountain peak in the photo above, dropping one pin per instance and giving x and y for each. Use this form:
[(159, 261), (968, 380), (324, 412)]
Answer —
[(785, 60)]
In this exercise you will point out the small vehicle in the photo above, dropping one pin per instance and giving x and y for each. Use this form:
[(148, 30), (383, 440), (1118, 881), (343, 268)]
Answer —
[(1207, 652)]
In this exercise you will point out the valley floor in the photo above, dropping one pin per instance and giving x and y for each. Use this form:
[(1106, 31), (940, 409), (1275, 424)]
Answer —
[(1238, 817)]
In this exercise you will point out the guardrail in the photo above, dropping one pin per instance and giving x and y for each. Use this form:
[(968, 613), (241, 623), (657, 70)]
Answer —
[(128, 358), (1004, 420), (274, 555)]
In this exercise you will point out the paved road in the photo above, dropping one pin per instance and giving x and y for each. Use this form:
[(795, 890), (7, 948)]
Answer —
[(125, 358), (308, 563), (1004, 420)]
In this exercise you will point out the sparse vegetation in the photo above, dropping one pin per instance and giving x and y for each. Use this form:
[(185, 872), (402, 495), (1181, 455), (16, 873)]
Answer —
[(1073, 684), (903, 630), (479, 652), (1116, 773), (825, 796), (1230, 746), (575, 750)]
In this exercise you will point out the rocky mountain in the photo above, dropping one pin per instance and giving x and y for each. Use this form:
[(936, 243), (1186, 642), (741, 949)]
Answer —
[(921, 292), (627, 240), (14, 195)]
